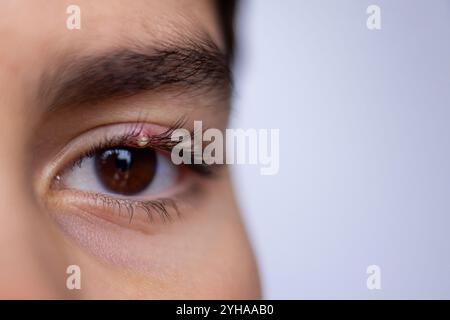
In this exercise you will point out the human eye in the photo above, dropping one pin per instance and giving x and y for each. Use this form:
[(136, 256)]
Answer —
[(123, 174)]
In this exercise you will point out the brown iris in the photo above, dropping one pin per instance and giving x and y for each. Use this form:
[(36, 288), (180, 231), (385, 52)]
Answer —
[(126, 171)]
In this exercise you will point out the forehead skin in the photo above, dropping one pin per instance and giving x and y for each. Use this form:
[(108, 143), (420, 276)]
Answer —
[(35, 37)]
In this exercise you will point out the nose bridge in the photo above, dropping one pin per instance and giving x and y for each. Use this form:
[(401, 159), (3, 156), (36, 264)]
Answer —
[(30, 265)]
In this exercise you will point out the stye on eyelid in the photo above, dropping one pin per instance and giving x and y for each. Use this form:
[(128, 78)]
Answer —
[(143, 141)]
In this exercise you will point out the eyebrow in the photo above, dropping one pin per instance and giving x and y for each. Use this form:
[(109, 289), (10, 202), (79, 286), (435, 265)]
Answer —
[(120, 73)]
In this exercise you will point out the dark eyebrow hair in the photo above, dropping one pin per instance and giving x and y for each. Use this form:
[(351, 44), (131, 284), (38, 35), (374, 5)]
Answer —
[(187, 66)]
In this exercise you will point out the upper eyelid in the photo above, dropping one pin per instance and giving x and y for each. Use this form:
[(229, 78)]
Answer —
[(161, 141), (78, 147), (80, 144)]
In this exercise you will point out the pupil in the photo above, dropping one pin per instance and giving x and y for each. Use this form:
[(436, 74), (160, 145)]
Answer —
[(123, 160), (126, 171)]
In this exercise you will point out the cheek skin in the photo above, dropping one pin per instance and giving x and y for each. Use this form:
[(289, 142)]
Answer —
[(228, 268), (229, 272), (204, 255)]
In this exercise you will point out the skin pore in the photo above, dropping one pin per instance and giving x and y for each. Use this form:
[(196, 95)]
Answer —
[(143, 66)]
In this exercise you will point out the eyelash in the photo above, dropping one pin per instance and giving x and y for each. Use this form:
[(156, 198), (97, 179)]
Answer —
[(150, 207), (159, 142)]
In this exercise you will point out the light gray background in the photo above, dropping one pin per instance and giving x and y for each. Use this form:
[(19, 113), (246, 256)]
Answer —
[(365, 129)]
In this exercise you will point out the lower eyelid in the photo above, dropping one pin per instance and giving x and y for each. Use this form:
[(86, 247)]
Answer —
[(133, 214), (118, 246), (138, 214)]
